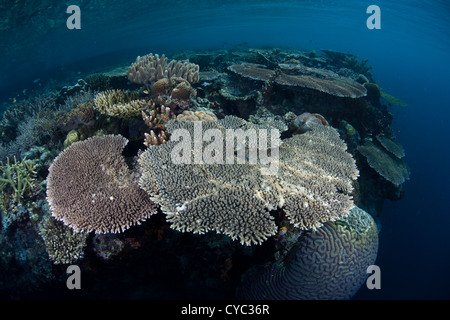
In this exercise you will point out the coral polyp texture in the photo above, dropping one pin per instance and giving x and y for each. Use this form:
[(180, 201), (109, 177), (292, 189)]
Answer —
[(150, 68), (303, 77), (329, 263), (312, 183), (91, 188)]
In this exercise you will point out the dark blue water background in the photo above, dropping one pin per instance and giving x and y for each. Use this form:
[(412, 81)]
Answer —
[(410, 59)]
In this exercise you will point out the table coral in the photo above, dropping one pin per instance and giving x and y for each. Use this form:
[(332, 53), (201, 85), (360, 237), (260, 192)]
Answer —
[(312, 183), (91, 188)]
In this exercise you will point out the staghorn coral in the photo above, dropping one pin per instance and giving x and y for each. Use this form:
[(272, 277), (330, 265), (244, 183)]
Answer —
[(314, 174), (150, 68), (91, 188), (389, 167), (329, 263), (117, 103), (20, 176), (63, 245)]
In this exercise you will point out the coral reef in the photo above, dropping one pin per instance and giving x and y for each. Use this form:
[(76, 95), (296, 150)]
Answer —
[(329, 263), (91, 188), (310, 186), (216, 220)]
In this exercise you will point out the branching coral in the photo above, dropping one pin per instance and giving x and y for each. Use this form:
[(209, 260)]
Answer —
[(117, 103), (91, 188), (151, 68), (155, 121), (20, 176)]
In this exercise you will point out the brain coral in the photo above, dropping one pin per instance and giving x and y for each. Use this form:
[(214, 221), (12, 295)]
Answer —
[(311, 185), (329, 263), (91, 188)]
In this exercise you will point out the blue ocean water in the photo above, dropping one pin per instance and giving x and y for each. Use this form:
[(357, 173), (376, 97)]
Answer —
[(410, 59)]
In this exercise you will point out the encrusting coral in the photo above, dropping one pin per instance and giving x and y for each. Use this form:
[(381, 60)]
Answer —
[(91, 188), (314, 178), (329, 263)]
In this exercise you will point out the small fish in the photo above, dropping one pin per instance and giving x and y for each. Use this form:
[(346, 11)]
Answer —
[(205, 84), (36, 80)]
